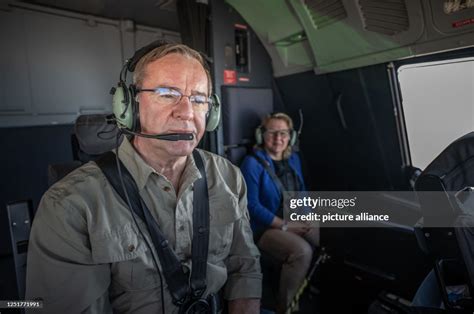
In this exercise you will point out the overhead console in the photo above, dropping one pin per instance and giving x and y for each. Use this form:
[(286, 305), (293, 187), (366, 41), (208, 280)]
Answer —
[(334, 35)]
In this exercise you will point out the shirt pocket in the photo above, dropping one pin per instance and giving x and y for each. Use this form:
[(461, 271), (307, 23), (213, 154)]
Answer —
[(224, 211), (132, 266)]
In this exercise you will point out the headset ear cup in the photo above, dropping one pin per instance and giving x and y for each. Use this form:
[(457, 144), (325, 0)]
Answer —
[(258, 136), (121, 106), (214, 115), (294, 137), (135, 118)]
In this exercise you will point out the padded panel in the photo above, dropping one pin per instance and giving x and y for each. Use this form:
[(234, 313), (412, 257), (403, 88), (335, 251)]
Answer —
[(236, 154), (454, 167), (26, 154), (242, 109), (95, 134)]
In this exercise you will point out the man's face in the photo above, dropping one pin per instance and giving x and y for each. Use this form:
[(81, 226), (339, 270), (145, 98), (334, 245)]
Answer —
[(187, 76)]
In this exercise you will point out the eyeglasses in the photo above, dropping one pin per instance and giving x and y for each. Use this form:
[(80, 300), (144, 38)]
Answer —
[(167, 96), (275, 133)]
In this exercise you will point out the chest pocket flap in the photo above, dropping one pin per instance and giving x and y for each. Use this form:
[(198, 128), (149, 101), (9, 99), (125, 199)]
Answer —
[(224, 211), (119, 244)]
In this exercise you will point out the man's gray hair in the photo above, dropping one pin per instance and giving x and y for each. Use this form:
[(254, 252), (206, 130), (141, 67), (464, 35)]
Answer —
[(161, 51)]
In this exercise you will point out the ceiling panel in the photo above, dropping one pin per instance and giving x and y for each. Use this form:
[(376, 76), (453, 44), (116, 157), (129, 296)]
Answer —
[(156, 13)]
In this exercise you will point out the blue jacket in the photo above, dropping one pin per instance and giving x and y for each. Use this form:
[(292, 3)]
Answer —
[(263, 195)]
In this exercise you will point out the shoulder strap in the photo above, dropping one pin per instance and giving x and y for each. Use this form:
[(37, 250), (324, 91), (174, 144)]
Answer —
[(270, 171), (173, 272), (200, 244)]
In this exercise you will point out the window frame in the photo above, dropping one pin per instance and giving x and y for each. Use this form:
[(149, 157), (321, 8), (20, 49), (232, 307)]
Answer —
[(392, 69)]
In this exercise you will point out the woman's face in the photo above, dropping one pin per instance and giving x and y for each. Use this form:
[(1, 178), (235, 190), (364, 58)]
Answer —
[(276, 137)]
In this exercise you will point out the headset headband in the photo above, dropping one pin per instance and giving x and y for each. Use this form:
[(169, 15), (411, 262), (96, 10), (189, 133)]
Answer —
[(140, 53)]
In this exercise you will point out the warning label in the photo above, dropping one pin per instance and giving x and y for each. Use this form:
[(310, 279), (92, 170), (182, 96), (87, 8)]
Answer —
[(463, 23), (230, 77)]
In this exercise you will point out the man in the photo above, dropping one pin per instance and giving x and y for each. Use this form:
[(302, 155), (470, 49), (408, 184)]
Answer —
[(87, 255)]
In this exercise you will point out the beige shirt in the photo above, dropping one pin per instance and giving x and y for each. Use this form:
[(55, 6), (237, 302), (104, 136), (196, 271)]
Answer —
[(87, 255)]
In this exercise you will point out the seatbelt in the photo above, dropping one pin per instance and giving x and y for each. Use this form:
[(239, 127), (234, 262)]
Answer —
[(172, 268), (276, 180), (279, 184), (270, 171)]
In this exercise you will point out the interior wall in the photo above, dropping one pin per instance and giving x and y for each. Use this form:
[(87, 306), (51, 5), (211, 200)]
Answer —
[(55, 66), (224, 19), (353, 146), (348, 147), (259, 75), (26, 154), (58, 64)]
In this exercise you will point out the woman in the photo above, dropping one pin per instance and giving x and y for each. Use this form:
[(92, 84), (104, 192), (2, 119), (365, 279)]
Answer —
[(290, 243)]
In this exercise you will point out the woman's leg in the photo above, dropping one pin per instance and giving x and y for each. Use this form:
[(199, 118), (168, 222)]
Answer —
[(295, 254), (313, 237)]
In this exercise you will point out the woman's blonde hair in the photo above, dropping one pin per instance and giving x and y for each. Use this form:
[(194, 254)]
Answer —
[(288, 120)]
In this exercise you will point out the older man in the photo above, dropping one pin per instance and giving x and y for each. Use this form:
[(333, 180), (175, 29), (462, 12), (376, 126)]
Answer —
[(88, 254)]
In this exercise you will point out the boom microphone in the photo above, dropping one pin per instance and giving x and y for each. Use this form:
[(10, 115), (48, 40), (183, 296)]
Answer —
[(165, 137)]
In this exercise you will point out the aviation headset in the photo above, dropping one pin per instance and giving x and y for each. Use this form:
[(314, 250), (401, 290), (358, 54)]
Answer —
[(261, 129), (125, 106)]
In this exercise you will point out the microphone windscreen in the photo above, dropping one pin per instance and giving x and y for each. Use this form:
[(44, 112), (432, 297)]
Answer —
[(165, 137), (175, 137)]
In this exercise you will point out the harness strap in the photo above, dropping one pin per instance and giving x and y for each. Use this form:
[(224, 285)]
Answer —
[(200, 244), (270, 171), (278, 182)]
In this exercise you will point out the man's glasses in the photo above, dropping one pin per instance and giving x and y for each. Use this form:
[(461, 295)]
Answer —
[(275, 133), (167, 96)]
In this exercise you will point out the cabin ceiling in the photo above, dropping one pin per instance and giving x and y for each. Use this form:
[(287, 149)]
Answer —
[(335, 35), (156, 13)]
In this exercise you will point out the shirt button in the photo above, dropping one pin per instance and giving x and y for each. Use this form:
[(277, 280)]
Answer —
[(166, 188), (181, 228), (131, 248)]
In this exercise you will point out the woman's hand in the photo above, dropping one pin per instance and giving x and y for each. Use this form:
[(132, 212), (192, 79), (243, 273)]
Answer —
[(298, 228)]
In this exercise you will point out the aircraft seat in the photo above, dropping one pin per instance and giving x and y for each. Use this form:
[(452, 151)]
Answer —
[(93, 136), (242, 110), (446, 233)]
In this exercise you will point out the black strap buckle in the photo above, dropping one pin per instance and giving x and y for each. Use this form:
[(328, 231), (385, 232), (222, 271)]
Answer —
[(209, 305), (199, 306)]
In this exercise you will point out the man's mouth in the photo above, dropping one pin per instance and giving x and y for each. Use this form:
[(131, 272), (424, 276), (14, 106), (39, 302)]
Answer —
[(181, 131)]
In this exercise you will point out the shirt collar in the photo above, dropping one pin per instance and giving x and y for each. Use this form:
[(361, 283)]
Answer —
[(134, 163), (190, 174)]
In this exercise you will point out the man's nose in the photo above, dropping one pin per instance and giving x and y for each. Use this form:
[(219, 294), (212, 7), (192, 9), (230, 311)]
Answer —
[(184, 109)]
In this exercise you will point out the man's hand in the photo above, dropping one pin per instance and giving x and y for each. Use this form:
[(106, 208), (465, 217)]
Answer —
[(248, 306)]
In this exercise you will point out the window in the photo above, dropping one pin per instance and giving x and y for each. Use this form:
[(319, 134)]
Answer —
[(438, 105)]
